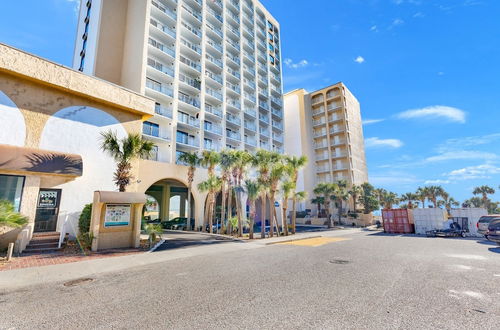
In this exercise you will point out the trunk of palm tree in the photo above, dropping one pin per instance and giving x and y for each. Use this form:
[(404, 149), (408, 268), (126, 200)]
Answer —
[(189, 208), (294, 214), (340, 212), (239, 213), (263, 214), (284, 219), (223, 209), (271, 215), (329, 219), (276, 221), (355, 207), (252, 217), (229, 208)]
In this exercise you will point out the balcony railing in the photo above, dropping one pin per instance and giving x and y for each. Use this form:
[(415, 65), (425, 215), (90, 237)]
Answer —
[(161, 67), (250, 126), (277, 112), (251, 112), (234, 73), (278, 137), (192, 142), (215, 14), (233, 58), (323, 144), (214, 60), (233, 119), (250, 97), (276, 100), (190, 63), (189, 100), (190, 81), (233, 135), (214, 76), (188, 120), (159, 88), (263, 118), (214, 44), (277, 124), (165, 10), (163, 111), (234, 103), (214, 93), (191, 28), (191, 45), (213, 110), (193, 12), (264, 105), (214, 29), (234, 88), (213, 128), (167, 50), (250, 141), (164, 28), (264, 132), (154, 131)]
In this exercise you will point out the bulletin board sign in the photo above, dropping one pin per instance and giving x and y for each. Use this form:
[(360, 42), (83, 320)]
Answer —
[(117, 215)]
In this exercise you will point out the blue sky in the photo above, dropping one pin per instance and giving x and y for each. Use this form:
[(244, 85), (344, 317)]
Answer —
[(426, 74)]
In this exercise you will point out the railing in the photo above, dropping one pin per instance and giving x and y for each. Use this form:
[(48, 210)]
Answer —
[(320, 144), (234, 103), (190, 63), (162, 111), (217, 129), (159, 88), (189, 100), (214, 29), (277, 112), (233, 135), (163, 28), (265, 119), (213, 76), (319, 133), (64, 231), (215, 14), (190, 81), (264, 105), (167, 50), (188, 120), (251, 142), (193, 12), (250, 97), (278, 137), (214, 60), (234, 44), (233, 119), (251, 112), (334, 118), (213, 93), (165, 10), (319, 122), (264, 132), (191, 28), (214, 44), (276, 100), (277, 125), (189, 142), (233, 87), (154, 131), (251, 71), (234, 73), (191, 45), (160, 67), (249, 126), (213, 110), (234, 59)]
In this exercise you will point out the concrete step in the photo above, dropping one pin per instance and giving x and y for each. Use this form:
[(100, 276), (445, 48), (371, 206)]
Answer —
[(46, 233), (33, 245), (40, 250)]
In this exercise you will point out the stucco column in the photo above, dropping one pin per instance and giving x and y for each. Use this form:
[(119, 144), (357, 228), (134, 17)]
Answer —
[(165, 203), (30, 199), (182, 207)]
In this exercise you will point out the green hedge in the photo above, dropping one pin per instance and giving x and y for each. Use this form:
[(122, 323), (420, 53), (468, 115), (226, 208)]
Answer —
[(84, 220)]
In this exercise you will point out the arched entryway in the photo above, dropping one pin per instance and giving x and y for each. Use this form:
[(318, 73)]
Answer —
[(168, 200)]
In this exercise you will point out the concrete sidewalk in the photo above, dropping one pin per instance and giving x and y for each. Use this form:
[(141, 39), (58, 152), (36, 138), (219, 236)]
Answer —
[(18, 278)]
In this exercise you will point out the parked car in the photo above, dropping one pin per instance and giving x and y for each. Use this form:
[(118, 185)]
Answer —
[(179, 223), (493, 233), (482, 224)]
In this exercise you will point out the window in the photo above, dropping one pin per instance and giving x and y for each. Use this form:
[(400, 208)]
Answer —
[(271, 58), (11, 189), (271, 37), (270, 26), (271, 47)]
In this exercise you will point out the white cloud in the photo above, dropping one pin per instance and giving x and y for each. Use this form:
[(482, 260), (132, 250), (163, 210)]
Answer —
[(435, 112), (418, 15), (359, 59), (474, 172), (292, 65), (393, 179), (374, 28), (76, 4), (372, 121), (396, 22), (434, 182), (375, 142), (461, 155)]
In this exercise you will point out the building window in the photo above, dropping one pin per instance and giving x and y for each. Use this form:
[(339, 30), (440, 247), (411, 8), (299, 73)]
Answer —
[(151, 129), (271, 47), (271, 58), (11, 189), (271, 37)]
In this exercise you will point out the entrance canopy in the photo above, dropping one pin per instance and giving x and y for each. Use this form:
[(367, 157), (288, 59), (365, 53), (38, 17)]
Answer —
[(21, 159)]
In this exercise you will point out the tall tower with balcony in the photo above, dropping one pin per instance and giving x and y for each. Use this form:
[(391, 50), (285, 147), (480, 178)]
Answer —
[(212, 66), (326, 126)]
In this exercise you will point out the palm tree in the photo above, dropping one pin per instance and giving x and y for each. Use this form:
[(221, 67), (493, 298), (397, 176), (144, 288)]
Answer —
[(211, 185), (286, 190), (410, 198), (355, 192), (448, 203), (209, 159), (192, 160), (434, 192), (9, 217), (262, 160), (294, 164), (153, 231), (278, 170), (253, 189), (472, 202), (340, 194), (484, 191), (389, 199), (319, 200), (422, 193), (326, 190), (124, 151), (242, 160), (226, 164), (379, 194)]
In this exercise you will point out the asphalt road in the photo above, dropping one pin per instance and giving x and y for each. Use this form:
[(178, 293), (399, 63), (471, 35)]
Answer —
[(370, 281)]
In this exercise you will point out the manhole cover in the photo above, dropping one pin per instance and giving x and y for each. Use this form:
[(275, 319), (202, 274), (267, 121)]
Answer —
[(78, 281), (339, 261)]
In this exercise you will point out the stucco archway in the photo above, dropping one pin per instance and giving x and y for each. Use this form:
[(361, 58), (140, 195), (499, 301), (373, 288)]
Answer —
[(78, 129)]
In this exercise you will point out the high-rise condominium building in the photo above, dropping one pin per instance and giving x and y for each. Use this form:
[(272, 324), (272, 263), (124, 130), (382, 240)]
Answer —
[(212, 66), (326, 126)]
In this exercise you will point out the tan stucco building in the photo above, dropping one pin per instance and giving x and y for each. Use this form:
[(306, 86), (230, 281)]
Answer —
[(51, 122), (325, 125)]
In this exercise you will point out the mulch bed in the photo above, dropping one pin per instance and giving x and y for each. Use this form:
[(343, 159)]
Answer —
[(70, 253)]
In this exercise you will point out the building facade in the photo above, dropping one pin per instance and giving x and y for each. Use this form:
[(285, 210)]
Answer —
[(325, 125), (213, 68)]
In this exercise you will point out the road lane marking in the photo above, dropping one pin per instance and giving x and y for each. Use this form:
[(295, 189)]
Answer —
[(314, 242)]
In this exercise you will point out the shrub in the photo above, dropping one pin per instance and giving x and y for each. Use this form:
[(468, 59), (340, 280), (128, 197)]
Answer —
[(9, 217), (84, 220), (85, 240)]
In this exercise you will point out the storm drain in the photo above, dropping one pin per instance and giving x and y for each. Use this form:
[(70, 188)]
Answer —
[(78, 281), (339, 261)]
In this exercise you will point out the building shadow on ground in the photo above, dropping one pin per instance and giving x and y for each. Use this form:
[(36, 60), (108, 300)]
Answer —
[(179, 240)]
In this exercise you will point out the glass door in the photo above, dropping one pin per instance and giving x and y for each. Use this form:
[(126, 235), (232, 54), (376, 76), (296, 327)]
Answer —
[(47, 210)]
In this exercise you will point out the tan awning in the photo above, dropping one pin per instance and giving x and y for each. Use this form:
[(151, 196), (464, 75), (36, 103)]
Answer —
[(21, 159)]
